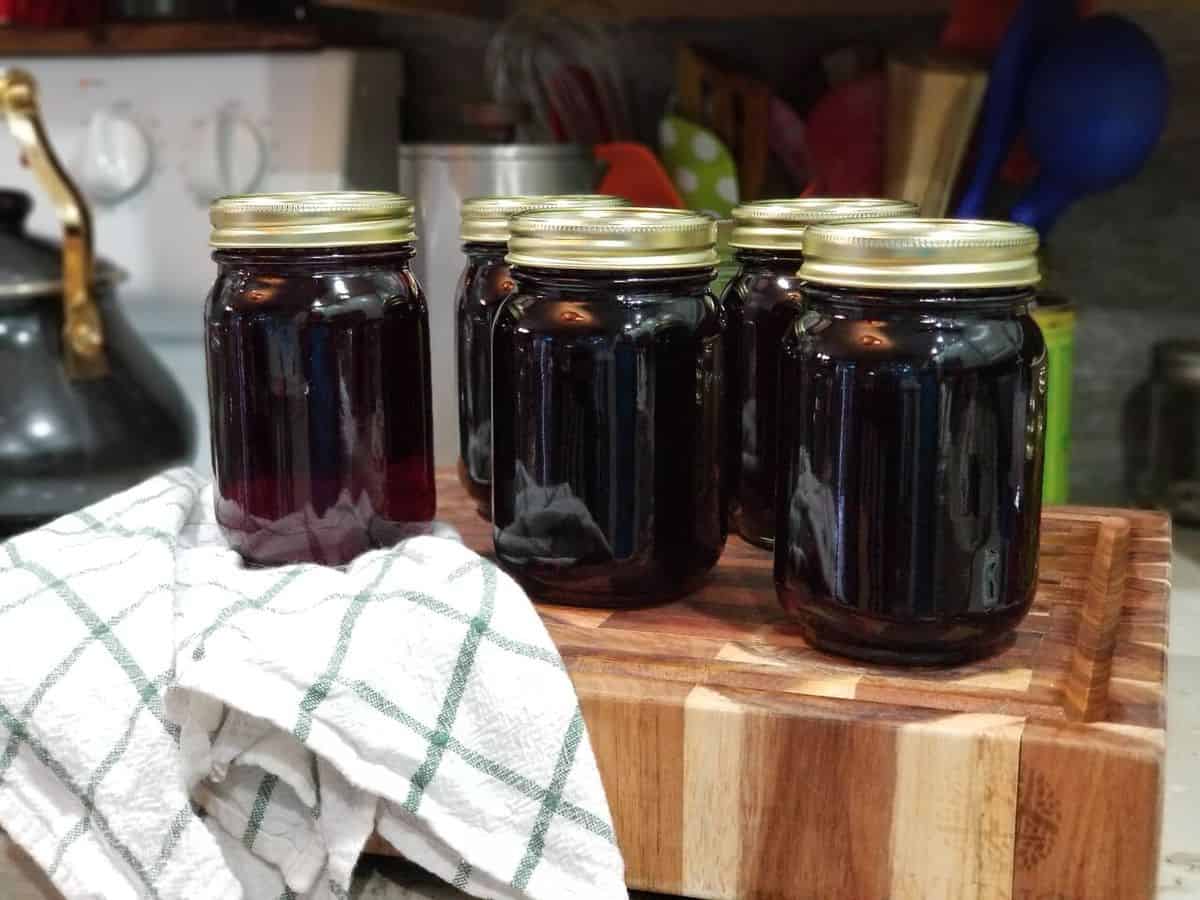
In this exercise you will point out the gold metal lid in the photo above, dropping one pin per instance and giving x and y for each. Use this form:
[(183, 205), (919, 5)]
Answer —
[(780, 224), (311, 219), (485, 219), (921, 253), (633, 238)]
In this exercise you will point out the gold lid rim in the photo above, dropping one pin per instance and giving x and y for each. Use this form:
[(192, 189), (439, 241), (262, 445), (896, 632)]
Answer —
[(301, 219), (615, 263), (485, 219), (780, 224), (649, 218), (912, 253), (630, 238), (918, 277)]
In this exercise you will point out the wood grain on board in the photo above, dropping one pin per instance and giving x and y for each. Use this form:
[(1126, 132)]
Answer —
[(742, 763)]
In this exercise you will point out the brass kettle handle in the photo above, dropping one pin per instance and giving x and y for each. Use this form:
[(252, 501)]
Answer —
[(83, 331)]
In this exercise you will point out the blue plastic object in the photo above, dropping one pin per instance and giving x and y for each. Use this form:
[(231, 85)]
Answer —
[(1096, 106), (1032, 28)]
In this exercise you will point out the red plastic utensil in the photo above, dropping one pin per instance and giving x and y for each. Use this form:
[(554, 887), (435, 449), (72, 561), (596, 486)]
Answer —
[(636, 174), (844, 133), (975, 27), (786, 138)]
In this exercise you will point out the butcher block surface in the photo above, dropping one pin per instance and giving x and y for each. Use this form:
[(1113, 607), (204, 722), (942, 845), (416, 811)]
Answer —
[(742, 763)]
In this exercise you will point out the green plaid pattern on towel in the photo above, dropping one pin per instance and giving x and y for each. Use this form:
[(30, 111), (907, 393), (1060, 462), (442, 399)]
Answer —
[(176, 725)]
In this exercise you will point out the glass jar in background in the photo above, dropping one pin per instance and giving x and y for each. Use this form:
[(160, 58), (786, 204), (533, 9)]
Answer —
[(483, 284), (317, 344), (759, 303), (1172, 478), (912, 423), (606, 374)]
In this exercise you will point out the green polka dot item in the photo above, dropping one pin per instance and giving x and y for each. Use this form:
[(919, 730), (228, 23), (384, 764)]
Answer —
[(700, 165)]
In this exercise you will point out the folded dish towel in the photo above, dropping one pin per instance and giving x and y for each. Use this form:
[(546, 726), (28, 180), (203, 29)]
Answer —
[(174, 724)]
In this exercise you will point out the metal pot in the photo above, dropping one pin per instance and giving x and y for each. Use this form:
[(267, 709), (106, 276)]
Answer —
[(438, 177), (85, 409)]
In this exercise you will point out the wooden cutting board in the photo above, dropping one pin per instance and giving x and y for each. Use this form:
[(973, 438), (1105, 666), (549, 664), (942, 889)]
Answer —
[(741, 763)]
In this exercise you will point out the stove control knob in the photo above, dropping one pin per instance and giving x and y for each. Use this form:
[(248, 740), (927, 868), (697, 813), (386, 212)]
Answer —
[(228, 156), (115, 158)]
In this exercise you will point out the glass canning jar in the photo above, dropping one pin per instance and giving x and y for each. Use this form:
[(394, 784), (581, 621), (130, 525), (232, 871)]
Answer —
[(759, 303), (485, 281), (606, 378), (1170, 480), (317, 344), (912, 424)]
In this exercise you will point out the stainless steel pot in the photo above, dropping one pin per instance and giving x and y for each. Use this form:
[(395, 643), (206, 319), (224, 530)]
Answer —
[(438, 177)]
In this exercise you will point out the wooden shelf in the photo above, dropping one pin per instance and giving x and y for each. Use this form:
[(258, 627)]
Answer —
[(216, 37), (633, 10), (630, 10), (477, 9), (159, 37)]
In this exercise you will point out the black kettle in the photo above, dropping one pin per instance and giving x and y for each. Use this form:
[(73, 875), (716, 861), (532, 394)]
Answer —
[(85, 408)]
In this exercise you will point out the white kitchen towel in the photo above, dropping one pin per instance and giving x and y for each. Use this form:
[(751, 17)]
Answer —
[(174, 724)]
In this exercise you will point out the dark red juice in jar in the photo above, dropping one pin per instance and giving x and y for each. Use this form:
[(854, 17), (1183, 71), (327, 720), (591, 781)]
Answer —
[(484, 283), (606, 372), (318, 369), (912, 420), (759, 303)]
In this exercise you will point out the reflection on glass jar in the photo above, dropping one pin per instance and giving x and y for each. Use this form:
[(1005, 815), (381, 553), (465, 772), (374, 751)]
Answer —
[(911, 440), (318, 370), (606, 367)]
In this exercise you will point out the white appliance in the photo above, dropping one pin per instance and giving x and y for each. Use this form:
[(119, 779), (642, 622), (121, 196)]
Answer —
[(152, 139)]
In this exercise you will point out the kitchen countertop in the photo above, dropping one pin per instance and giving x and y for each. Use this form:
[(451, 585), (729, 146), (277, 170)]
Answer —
[(1179, 872)]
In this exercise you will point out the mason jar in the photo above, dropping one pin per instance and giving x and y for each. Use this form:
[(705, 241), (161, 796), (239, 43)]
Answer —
[(912, 421), (485, 281), (759, 303), (606, 382), (317, 346), (1170, 480)]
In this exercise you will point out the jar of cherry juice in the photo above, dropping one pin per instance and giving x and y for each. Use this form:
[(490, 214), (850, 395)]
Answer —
[(912, 422), (317, 346), (759, 303), (606, 380), (484, 283)]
